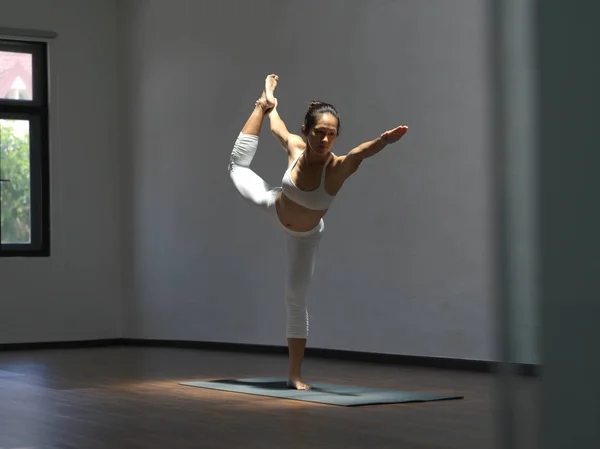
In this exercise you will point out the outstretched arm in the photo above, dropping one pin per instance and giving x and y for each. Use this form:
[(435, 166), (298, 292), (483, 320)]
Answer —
[(367, 149)]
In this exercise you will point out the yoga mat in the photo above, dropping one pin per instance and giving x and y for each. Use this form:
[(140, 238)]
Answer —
[(323, 393)]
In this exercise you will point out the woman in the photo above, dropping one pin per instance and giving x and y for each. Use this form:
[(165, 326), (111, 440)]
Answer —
[(313, 178)]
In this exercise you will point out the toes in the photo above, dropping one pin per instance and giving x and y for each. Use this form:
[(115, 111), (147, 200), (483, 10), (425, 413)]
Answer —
[(298, 386)]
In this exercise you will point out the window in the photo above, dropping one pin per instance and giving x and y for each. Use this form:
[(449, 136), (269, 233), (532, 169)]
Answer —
[(24, 150)]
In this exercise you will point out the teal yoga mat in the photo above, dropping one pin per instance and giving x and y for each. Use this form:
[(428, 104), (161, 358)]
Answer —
[(322, 392)]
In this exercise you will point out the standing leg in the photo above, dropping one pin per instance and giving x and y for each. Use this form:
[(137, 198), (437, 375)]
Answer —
[(302, 254)]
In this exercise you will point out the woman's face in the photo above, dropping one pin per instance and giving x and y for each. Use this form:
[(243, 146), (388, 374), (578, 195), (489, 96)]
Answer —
[(322, 136)]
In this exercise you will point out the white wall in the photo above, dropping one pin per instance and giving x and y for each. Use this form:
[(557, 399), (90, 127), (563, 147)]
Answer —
[(76, 293), (404, 265)]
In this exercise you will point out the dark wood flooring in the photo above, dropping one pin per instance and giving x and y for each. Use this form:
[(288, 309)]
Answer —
[(128, 397)]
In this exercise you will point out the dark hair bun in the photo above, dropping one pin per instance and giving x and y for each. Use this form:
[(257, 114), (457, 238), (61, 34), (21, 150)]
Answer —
[(315, 109)]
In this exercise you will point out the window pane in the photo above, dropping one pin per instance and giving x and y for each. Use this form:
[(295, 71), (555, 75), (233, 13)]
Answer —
[(15, 188), (16, 80)]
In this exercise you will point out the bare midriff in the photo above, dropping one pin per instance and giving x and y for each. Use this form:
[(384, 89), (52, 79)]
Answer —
[(296, 217)]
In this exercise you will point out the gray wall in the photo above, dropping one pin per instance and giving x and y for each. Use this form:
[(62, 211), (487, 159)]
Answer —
[(569, 219), (76, 293), (151, 240), (405, 264)]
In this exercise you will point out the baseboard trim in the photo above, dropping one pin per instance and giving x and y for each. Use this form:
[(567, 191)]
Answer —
[(78, 344), (482, 366)]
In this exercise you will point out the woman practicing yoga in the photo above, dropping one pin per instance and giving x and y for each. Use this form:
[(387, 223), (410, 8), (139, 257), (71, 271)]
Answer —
[(313, 178)]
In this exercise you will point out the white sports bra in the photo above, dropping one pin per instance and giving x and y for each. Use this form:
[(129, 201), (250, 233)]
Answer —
[(317, 199)]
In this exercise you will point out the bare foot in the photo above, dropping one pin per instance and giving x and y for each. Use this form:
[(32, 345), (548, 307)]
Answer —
[(270, 85), (262, 102), (298, 384)]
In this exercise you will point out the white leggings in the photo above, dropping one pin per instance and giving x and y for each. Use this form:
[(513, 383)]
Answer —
[(302, 247)]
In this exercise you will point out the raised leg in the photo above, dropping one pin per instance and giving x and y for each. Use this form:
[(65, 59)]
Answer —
[(270, 85), (255, 121), (250, 185)]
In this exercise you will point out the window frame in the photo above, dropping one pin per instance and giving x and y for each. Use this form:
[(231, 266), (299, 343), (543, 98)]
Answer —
[(36, 111)]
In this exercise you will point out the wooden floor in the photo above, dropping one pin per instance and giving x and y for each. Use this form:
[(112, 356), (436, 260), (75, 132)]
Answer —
[(126, 397)]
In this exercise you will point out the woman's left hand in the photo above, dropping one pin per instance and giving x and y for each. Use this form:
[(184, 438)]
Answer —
[(393, 135)]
